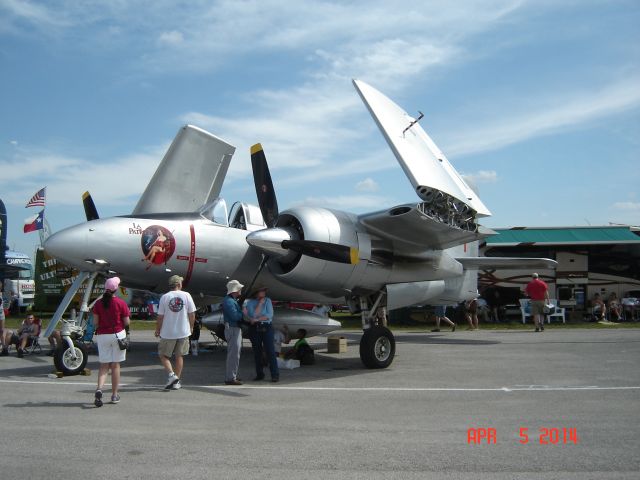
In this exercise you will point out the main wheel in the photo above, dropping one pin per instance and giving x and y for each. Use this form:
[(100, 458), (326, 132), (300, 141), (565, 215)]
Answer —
[(66, 363), (377, 347)]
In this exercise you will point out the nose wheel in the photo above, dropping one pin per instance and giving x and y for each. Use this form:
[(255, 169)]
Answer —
[(377, 347)]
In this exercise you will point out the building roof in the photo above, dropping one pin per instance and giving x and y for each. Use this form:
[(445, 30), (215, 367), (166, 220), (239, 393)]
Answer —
[(507, 237)]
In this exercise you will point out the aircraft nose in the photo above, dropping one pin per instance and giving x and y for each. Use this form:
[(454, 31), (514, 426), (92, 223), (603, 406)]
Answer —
[(67, 245)]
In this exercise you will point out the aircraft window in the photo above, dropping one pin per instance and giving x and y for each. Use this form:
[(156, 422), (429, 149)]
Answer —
[(216, 211)]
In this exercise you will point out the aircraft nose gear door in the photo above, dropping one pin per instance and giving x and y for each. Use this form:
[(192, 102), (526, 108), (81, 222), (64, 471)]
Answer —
[(377, 345)]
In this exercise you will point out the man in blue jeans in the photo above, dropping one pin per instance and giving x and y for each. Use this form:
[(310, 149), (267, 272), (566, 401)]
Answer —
[(259, 311)]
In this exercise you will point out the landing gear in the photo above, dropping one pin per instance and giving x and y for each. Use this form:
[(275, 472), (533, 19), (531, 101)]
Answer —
[(71, 361), (377, 347)]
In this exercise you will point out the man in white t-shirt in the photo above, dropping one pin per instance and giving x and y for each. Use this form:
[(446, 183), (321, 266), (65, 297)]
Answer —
[(174, 325)]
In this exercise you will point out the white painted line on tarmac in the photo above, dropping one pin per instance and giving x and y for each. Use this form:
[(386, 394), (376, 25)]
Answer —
[(518, 388)]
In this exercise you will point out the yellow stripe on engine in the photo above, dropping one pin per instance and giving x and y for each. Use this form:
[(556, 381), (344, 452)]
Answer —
[(355, 255), (256, 148)]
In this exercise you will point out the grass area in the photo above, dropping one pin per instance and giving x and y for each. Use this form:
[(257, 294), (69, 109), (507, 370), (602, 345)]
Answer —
[(351, 322), (14, 322)]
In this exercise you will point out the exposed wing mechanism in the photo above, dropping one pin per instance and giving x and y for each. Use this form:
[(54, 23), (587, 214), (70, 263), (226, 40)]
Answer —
[(415, 228), (190, 174), (423, 162)]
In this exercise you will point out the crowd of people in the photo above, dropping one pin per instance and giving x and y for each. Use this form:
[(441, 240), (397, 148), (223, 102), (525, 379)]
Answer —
[(176, 318)]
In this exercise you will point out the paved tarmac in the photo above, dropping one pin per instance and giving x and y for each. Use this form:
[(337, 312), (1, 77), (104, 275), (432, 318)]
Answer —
[(335, 419)]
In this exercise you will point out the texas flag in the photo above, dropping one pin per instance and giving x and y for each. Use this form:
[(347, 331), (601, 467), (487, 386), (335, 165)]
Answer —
[(34, 223)]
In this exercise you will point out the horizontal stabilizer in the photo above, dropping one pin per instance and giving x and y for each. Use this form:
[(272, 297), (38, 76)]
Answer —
[(509, 263), (190, 174)]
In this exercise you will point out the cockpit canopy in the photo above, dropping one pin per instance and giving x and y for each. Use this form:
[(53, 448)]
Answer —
[(243, 216)]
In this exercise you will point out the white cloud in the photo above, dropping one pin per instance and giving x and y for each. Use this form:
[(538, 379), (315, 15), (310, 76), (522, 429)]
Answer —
[(13, 142), (348, 202), (367, 185), (34, 13), (551, 115), (118, 182), (481, 176), (172, 38)]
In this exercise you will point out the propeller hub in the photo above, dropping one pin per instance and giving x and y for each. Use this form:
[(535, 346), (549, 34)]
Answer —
[(269, 240)]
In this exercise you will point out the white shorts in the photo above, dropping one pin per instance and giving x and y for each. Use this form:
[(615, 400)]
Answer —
[(108, 349)]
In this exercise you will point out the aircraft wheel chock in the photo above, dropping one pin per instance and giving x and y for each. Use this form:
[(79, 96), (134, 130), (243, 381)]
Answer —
[(64, 361), (377, 347)]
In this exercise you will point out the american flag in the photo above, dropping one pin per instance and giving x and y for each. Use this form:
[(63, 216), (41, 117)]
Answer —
[(37, 200)]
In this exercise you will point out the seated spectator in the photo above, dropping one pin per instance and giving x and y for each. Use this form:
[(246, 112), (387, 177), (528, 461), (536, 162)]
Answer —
[(280, 336), (599, 308), (23, 337), (615, 309), (301, 349)]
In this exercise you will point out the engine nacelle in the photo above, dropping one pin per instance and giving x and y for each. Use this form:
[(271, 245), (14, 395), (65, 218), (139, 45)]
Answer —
[(324, 225)]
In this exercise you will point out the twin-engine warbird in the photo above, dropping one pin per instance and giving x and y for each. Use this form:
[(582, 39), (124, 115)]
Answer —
[(421, 253)]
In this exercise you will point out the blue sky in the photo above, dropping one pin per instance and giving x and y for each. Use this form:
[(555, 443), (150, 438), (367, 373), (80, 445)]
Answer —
[(537, 102)]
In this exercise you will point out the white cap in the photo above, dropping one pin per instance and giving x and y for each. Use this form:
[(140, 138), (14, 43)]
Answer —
[(234, 286)]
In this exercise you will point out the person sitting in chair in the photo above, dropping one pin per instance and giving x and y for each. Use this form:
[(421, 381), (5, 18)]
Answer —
[(615, 309), (23, 337), (599, 308)]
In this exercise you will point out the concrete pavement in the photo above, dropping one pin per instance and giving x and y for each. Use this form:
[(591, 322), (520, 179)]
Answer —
[(337, 420)]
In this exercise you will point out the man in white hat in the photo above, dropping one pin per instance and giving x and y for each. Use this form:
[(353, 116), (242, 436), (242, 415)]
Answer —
[(174, 325), (232, 313)]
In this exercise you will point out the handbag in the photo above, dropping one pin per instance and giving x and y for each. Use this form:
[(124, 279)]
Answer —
[(123, 343)]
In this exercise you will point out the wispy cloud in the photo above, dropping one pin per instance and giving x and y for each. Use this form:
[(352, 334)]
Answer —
[(348, 202), (28, 169), (367, 185), (482, 176), (553, 114), (171, 39)]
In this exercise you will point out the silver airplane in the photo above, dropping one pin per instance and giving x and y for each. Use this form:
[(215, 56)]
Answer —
[(418, 253)]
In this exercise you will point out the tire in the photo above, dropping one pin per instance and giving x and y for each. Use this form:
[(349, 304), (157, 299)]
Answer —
[(66, 364), (377, 347)]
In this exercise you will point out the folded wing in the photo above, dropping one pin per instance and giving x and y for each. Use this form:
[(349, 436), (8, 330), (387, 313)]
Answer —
[(190, 174)]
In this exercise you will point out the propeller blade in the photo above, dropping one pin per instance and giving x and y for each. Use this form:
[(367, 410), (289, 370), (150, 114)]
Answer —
[(331, 252), (264, 186), (89, 207)]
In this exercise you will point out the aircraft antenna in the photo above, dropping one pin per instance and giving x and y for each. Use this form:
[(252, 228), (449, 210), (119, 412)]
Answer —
[(413, 123)]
